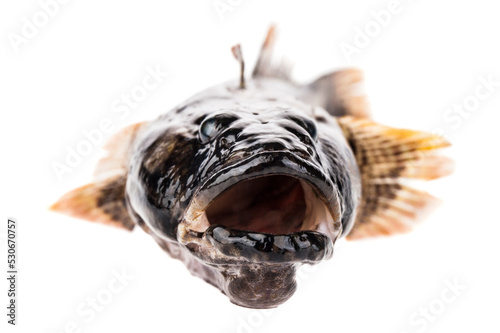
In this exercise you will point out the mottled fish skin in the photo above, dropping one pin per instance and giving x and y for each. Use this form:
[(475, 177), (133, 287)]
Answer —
[(171, 163), (260, 130), (249, 180)]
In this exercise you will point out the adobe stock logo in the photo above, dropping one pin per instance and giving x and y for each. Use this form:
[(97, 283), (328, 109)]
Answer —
[(31, 26), (221, 7), (363, 36), (89, 309), (429, 313), (121, 107), (455, 116)]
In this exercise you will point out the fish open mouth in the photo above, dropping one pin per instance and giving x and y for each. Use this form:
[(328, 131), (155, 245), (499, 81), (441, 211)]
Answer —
[(270, 218), (270, 204)]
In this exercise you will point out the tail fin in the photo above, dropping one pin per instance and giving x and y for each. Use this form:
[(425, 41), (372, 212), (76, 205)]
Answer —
[(387, 158)]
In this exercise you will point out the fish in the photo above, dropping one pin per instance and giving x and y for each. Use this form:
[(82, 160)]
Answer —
[(247, 181)]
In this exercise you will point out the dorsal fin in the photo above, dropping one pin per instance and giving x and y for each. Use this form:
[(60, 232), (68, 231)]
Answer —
[(238, 55), (265, 66), (387, 158), (103, 200), (341, 93)]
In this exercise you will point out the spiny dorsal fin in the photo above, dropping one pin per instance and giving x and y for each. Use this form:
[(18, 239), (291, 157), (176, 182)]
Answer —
[(341, 93), (238, 55), (103, 200), (387, 157), (265, 67)]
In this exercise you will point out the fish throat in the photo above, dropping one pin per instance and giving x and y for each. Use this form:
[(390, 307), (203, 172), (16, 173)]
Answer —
[(270, 204)]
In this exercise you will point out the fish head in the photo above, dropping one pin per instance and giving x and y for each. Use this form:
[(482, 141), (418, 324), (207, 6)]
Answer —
[(248, 184)]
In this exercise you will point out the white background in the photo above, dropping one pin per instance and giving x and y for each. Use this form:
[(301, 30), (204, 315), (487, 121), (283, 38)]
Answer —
[(65, 79)]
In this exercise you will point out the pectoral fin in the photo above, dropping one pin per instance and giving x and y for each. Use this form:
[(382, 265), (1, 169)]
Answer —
[(387, 159), (103, 200)]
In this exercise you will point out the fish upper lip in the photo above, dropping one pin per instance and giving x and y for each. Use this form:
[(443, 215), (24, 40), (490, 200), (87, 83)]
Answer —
[(318, 180), (220, 245)]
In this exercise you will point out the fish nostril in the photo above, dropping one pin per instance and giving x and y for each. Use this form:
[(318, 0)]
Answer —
[(223, 143), (226, 142)]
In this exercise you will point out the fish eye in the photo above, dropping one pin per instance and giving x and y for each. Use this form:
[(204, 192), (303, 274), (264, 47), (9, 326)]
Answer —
[(208, 129), (311, 128), (212, 125)]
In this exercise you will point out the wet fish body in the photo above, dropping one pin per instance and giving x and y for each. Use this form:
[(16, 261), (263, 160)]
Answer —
[(246, 181)]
